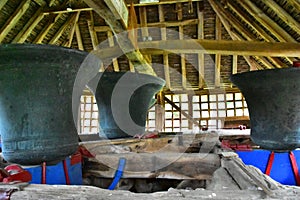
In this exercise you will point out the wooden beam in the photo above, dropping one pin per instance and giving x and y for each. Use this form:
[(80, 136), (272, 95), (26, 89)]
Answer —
[(295, 4), (200, 36), (163, 34), (2, 3), (227, 17), (135, 56), (218, 56), (234, 64), (92, 32), (266, 21), (189, 118), (161, 2), (236, 8), (78, 37), (156, 24), (224, 47), (28, 28), (72, 32), (110, 39), (53, 19), (62, 29), (285, 16), (144, 29), (67, 11), (182, 56), (13, 20), (119, 10)]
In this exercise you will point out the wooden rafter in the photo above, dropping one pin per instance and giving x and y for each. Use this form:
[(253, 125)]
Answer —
[(229, 20), (53, 19), (218, 56), (78, 37), (62, 29), (72, 31), (140, 63), (236, 8), (13, 20), (266, 21), (111, 43), (30, 25)]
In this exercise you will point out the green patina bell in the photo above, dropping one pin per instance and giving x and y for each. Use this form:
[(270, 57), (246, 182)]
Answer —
[(273, 99), (123, 100), (36, 84)]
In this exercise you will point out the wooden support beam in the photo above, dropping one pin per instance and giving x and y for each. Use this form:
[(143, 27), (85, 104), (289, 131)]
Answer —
[(119, 10), (160, 112), (295, 4), (200, 36), (182, 56), (2, 3), (144, 29), (163, 34), (92, 32), (156, 24), (218, 56), (13, 20), (190, 110), (72, 32), (189, 118), (161, 2), (224, 47), (28, 28), (111, 44), (53, 19), (234, 64), (67, 11), (62, 29), (78, 37), (136, 57)]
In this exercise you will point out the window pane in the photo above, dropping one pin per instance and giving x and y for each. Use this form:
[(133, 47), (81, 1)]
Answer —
[(229, 97), (230, 105), (213, 97), (220, 97), (238, 96), (204, 106), (213, 113), (230, 113), (205, 114), (238, 104), (184, 123), (196, 106), (221, 105), (196, 114), (213, 105), (222, 113), (246, 112), (239, 112), (184, 106), (204, 98), (184, 98), (195, 98)]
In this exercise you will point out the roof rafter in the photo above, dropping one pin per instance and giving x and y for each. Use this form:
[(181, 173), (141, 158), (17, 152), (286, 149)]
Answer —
[(13, 20)]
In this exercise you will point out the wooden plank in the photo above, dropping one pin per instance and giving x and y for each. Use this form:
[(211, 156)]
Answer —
[(28, 28), (47, 12), (62, 29), (41, 3), (160, 2), (119, 9), (13, 20)]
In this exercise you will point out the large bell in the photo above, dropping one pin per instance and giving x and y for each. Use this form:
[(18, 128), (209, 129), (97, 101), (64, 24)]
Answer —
[(273, 99), (36, 84), (123, 99)]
